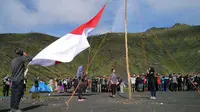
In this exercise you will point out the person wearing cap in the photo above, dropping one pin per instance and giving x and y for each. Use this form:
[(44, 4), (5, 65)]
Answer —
[(17, 78)]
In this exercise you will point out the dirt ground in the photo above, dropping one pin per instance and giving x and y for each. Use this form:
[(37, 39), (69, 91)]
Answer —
[(101, 102)]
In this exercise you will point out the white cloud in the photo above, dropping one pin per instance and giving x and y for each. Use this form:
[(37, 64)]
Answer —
[(64, 11), (171, 6), (48, 12), (15, 16)]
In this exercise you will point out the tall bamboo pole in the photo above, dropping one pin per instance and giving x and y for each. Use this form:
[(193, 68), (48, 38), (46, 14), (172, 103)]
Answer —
[(126, 45)]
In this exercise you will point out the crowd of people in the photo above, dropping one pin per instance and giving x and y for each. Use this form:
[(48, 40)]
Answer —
[(82, 82), (169, 82), (139, 83), (94, 84)]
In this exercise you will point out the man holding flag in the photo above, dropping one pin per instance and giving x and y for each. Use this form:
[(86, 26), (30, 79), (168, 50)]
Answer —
[(17, 78)]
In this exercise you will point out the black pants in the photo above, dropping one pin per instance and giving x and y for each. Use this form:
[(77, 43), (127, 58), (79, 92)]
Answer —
[(6, 90), (65, 87), (113, 89), (174, 86), (17, 92), (24, 90), (152, 89), (80, 93), (179, 87)]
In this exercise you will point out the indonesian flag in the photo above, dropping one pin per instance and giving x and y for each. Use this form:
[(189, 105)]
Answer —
[(67, 47)]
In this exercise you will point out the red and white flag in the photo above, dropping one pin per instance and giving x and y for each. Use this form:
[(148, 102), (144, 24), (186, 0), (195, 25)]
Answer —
[(67, 47)]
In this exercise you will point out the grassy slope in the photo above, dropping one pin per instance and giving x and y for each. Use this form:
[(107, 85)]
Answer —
[(182, 41)]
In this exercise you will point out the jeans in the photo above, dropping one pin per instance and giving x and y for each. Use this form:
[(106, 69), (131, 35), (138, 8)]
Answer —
[(140, 87), (163, 87), (17, 93), (159, 87)]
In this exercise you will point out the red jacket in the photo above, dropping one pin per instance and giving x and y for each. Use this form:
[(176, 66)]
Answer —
[(158, 80)]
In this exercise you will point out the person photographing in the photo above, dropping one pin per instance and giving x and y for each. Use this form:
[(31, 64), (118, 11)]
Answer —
[(17, 78), (152, 82)]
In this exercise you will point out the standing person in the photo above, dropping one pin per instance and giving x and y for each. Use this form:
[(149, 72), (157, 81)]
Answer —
[(103, 84), (113, 81), (25, 82), (133, 80), (158, 79), (17, 78), (65, 85), (36, 83), (56, 85), (174, 82), (163, 83), (51, 84), (98, 84), (152, 82), (6, 85), (180, 82), (121, 85), (166, 82)]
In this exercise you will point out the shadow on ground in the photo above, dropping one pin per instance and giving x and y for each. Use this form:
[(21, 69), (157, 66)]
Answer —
[(24, 109), (126, 97), (120, 95), (57, 95)]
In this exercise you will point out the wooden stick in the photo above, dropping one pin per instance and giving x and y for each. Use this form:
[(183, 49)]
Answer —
[(126, 45), (67, 103)]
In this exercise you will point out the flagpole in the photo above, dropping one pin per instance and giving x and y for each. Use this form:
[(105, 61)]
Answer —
[(126, 45)]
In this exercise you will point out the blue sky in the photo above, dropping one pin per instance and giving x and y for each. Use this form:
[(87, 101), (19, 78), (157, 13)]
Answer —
[(59, 17)]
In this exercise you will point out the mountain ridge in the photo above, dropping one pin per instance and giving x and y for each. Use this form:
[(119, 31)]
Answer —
[(182, 42)]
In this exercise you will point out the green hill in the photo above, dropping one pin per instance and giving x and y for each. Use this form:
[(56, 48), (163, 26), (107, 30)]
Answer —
[(181, 41)]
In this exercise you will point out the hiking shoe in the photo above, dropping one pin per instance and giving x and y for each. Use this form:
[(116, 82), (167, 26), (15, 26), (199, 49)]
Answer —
[(18, 110), (151, 98), (80, 100), (14, 110)]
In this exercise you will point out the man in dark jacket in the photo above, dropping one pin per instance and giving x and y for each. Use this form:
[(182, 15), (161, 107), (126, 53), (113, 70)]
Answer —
[(17, 78)]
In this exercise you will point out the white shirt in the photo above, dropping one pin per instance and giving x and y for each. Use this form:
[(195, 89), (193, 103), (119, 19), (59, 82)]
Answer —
[(65, 82), (133, 80)]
